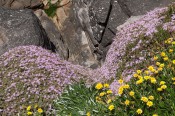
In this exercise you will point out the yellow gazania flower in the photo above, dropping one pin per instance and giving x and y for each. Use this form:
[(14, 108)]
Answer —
[(131, 93), (109, 92), (170, 39), (153, 80), (135, 75), (163, 87), (126, 86), (151, 68), (127, 102), (149, 103), (40, 110), (155, 58), (102, 94), (29, 113), (88, 114), (173, 61), (36, 105), (173, 83), (147, 77), (159, 89), (160, 69), (140, 77), (139, 111), (156, 71), (111, 107), (173, 42), (146, 72), (165, 59), (106, 85), (98, 98), (120, 81), (99, 86), (144, 99), (139, 81), (120, 90), (28, 108), (163, 54), (169, 42), (157, 63), (161, 65), (139, 71), (170, 50), (109, 101), (162, 82), (151, 97), (155, 115), (173, 78)]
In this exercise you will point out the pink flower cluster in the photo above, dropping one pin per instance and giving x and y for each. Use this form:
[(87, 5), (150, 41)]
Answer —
[(144, 26), (29, 74), (147, 26)]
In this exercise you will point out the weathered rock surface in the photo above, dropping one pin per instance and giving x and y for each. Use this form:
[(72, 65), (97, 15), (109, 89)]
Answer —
[(106, 16), (138, 7), (89, 26), (17, 4), (81, 39), (21, 27), (86, 28), (73, 43), (76, 33), (53, 34)]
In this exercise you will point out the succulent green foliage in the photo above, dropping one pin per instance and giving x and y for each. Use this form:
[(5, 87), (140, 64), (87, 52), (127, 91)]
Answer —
[(51, 11), (77, 100)]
